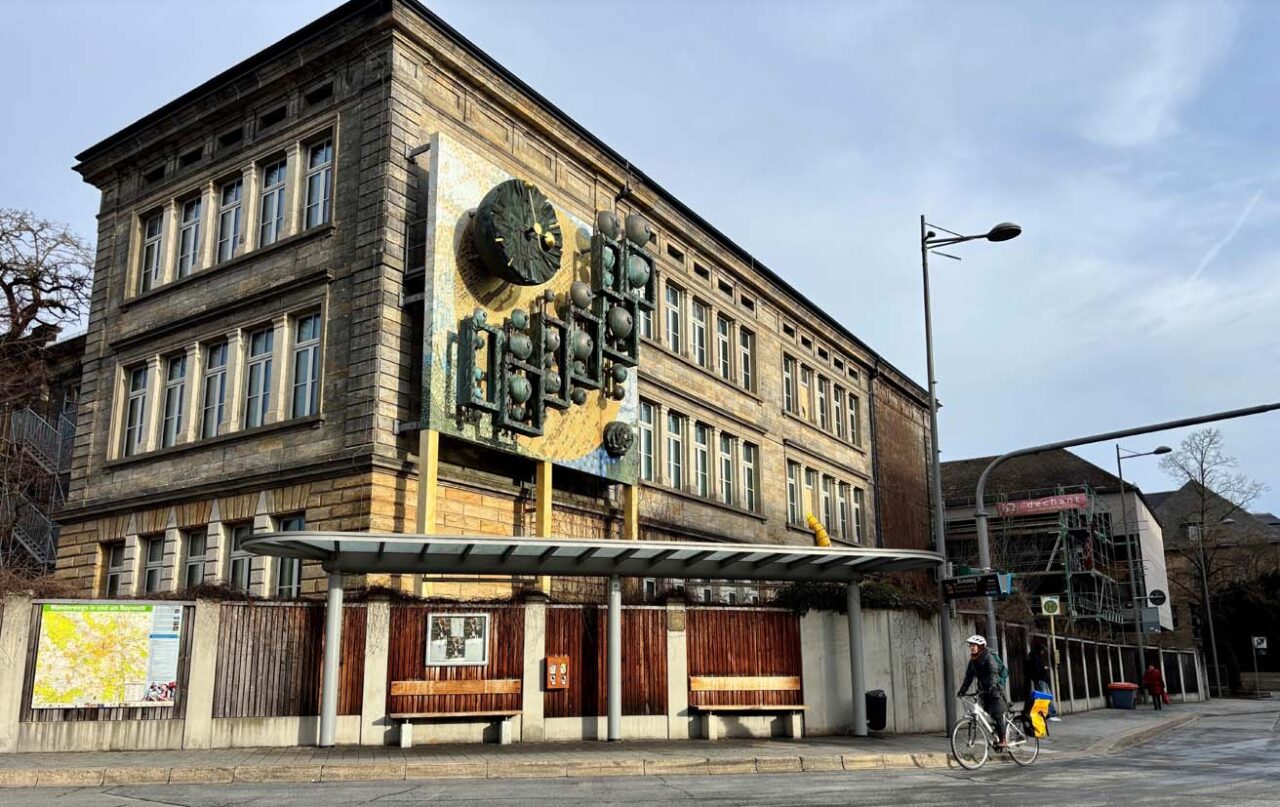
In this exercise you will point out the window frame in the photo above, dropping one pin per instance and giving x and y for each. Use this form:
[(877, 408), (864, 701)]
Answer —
[(673, 309), (823, 392), (794, 510), (324, 172), (698, 331), (261, 365), (116, 568), (211, 373), (173, 418), (674, 433), (859, 515), (789, 391), (747, 359), (230, 214), (310, 349), (702, 459), (133, 433), (750, 463), (237, 557), (151, 255), (272, 207), (192, 561), (724, 347), (726, 489), (855, 419), (152, 551), (189, 237), (292, 567), (648, 433)]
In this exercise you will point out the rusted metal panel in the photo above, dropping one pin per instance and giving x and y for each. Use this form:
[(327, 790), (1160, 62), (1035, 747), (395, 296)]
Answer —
[(744, 643), (901, 464), (579, 632)]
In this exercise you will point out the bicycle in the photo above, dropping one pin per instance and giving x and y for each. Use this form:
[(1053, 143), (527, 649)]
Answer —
[(974, 736)]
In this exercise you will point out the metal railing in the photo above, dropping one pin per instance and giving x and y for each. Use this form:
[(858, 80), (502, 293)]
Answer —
[(31, 528), (49, 445)]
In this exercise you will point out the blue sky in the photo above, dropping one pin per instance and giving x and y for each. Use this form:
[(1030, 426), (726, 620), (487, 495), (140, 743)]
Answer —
[(1134, 142)]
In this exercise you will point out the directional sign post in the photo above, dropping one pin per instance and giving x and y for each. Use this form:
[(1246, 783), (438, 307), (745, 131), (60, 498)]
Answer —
[(991, 584), (1259, 646)]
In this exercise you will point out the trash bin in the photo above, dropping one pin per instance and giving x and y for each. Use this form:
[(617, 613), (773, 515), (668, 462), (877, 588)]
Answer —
[(877, 709), (1123, 694)]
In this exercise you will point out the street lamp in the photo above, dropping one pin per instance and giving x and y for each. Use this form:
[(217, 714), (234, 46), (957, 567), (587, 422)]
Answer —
[(929, 242), (1208, 604), (1133, 544)]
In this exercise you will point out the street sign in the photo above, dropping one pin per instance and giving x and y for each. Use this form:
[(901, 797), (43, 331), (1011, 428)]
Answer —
[(992, 584), (1157, 597), (1050, 605), (1259, 643)]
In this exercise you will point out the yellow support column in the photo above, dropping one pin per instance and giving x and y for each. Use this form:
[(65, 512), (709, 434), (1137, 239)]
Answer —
[(428, 479), (631, 517), (543, 499)]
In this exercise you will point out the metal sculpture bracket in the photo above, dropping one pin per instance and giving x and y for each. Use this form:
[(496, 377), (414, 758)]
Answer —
[(551, 357)]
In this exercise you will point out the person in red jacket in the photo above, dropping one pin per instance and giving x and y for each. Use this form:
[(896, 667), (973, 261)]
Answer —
[(1154, 682)]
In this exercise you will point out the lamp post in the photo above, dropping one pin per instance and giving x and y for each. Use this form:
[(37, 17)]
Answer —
[(1208, 604), (929, 242), (1134, 544)]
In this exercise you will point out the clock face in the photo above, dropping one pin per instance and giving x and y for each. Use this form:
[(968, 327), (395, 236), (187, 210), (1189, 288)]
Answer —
[(516, 234)]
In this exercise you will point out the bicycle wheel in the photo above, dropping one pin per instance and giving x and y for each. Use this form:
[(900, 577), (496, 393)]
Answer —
[(1023, 744), (969, 745)]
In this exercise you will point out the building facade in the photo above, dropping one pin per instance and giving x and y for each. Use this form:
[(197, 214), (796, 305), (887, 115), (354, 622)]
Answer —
[(287, 265)]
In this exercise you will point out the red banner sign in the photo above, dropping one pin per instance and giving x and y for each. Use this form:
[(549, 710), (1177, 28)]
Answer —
[(1048, 504)]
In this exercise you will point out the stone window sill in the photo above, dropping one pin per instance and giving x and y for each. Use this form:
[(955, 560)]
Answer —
[(716, 503), (312, 421)]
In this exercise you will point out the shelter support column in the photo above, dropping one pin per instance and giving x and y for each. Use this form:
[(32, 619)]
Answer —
[(374, 723), (853, 594), (615, 658), (332, 648), (544, 498), (428, 487), (532, 726), (631, 509)]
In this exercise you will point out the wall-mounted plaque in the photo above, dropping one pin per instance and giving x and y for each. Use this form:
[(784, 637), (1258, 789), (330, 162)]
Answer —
[(455, 640)]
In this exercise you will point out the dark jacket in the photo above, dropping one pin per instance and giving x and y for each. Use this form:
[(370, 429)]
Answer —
[(985, 671), (1037, 669)]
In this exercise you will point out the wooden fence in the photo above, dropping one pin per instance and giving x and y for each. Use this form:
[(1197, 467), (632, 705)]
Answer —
[(743, 643), (580, 632)]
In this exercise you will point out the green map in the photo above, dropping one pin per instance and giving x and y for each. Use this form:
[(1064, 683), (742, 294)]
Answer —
[(106, 655)]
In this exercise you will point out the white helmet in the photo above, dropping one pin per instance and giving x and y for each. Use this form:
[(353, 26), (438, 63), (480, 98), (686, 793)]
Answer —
[(980, 641)]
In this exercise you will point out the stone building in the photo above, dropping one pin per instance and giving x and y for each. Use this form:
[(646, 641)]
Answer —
[(286, 260)]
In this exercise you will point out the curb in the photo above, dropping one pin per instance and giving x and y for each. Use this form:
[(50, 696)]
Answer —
[(1138, 736), (422, 771)]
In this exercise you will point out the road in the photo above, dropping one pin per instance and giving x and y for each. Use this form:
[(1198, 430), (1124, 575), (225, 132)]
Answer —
[(1218, 760)]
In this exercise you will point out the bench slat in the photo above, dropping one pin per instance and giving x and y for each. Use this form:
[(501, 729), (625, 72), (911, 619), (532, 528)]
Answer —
[(437, 715), (486, 686), (751, 683)]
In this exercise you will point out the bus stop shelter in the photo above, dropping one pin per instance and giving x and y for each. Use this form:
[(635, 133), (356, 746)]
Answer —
[(342, 553)]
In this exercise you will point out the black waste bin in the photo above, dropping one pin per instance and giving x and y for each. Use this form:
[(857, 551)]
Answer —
[(877, 710)]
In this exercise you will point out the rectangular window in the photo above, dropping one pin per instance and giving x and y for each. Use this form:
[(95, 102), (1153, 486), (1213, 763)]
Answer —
[(114, 554), (859, 515), (152, 246), (747, 359), (837, 410), (828, 503), (842, 509), (289, 570), (646, 441), (810, 490), (229, 209), (650, 589), (706, 595), (153, 568), (824, 409), (215, 390), (193, 566), (724, 351), (806, 393), (855, 419), (258, 378), (726, 469), (189, 237), (675, 450), (700, 313), (306, 366), (239, 561), (750, 482), (135, 413), (646, 323), (702, 459), (789, 384), (675, 304), (319, 183), (271, 222), (175, 400), (793, 492)]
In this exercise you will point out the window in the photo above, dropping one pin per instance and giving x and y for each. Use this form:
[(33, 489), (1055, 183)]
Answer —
[(258, 389), (675, 450), (726, 469), (650, 589), (702, 459), (175, 394), (215, 390), (701, 271), (135, 413), (322, 93), (193, 566), (676, 254), (789, 330), (746, 356), (731, 598), (859, 515), (646, 441), (189, 237), (271, 222), (700, 313), (273, 117), (114, 554), (823, 354), (306, 366), (646, 323), (240, 561), (855, 419), (725, 289), (231, 137), (229, 208), (824, 410), (706, 595), (806, 342), (789, 384), (724, 355), (675, 301), (842, 509), (152, 244), (810, 487), (748, 303), (828, 502), (806, 392), (793, 492), (319, 183), (191, 157), (837, 410), (289, 570), (750, 484), (153, 571)]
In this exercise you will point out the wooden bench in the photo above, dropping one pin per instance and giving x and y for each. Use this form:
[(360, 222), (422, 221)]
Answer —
[(492, 686), (755, 683)]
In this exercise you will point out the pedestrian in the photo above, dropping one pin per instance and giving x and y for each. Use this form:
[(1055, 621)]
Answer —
[(1038, 677), (1154, 683)]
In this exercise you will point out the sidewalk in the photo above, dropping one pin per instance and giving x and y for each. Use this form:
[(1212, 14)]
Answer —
[(1095, 732)]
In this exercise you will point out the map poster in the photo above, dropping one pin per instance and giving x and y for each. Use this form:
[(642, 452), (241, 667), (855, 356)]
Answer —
[(106, 654), (455, 640)]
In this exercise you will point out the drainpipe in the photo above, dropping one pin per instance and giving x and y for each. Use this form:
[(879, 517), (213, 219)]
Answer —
[(875, 451)]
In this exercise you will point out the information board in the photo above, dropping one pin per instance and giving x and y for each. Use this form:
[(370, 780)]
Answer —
[(455, 640)]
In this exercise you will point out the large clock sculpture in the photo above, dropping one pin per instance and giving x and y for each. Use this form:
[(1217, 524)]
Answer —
[(584, 340)]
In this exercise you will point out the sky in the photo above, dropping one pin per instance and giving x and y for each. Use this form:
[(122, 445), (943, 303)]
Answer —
[(1133, 142)]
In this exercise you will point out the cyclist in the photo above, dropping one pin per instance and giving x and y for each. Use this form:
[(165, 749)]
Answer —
[(985, 671)]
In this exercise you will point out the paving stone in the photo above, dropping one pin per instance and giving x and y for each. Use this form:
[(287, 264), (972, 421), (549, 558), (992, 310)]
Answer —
[(17, 777), (863, 762), (899, 760), (607, 767), (542, 769), (366, 771), (930, 760), (81, 777), (740, 765)]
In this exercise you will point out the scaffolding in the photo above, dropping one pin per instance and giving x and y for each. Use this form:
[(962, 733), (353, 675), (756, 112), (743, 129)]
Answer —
[(1071, 552)]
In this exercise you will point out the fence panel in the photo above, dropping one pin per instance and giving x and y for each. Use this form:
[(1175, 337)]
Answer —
[(1016, 660), (747, 642), (175, 712), (407, 660), (581, 634), (270, 657), (1172, 673), (1189, 677)]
